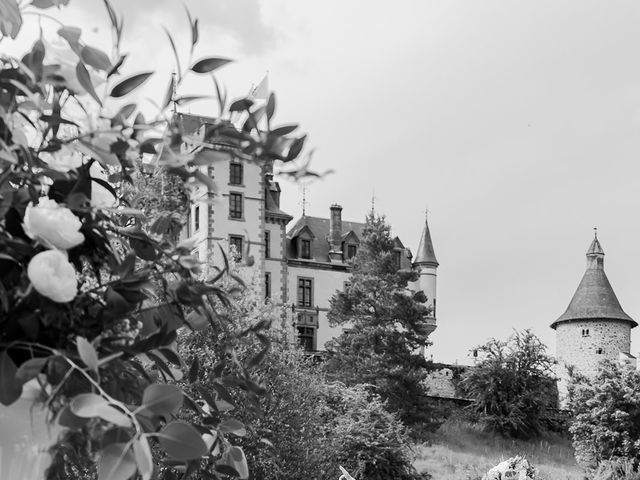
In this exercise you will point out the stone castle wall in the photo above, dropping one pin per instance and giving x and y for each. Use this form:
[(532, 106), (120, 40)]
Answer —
[(585, 343), (442, 381)]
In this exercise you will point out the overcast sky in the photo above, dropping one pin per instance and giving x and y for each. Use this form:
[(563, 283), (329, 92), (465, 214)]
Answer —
[(517, 123)]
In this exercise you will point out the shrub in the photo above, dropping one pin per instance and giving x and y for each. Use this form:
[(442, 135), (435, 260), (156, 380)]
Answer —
[(606, 415), (512, 387)]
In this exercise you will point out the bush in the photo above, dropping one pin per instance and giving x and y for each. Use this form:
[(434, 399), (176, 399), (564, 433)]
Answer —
[(606, 415), (512, 387)]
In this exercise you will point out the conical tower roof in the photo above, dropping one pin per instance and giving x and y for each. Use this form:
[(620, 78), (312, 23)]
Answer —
[(594, 299), (425, 253)]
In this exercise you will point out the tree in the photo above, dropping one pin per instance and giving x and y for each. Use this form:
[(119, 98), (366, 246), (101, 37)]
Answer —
[(512, 386), (605, 413), (386, 328)]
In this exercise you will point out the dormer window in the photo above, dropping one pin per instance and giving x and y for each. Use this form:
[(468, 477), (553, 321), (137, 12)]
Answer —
[(305, 248), (351, 251), (397, 259)]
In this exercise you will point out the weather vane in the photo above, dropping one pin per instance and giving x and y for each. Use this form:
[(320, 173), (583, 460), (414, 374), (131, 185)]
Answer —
[(304, 199)]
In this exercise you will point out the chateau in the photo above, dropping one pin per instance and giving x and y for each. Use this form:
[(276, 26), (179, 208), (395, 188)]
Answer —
[(594, 327), (302, 263)]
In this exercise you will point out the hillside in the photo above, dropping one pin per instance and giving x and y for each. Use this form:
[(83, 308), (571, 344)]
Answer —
[(460, 451)]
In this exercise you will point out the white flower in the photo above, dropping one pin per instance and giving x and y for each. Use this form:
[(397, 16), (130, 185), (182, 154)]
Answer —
[(52, 225), (53, 276)]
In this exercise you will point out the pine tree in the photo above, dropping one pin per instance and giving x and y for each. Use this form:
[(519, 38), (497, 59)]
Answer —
[(385, 328)]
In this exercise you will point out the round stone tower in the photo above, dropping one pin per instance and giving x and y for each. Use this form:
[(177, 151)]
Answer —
[(594, 327)]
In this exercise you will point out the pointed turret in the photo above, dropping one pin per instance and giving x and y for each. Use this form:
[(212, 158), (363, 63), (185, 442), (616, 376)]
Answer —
[(425, 254), (594, 298)]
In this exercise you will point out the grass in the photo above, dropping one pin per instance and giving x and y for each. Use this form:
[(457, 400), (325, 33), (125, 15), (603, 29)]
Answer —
[(461, 451)]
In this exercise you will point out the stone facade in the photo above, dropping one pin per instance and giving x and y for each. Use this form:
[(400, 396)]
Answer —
[(442, 381)]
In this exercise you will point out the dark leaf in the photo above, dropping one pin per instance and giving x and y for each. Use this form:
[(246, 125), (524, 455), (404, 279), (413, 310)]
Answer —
[(194, 369), (162, 399), (296, 148), (284, 130), (209, 64), (10, 386), (271, 105), (169, 95), (175, 53), (242, 105), (129, 84), (68, 419), (231, 425), (116, 67)]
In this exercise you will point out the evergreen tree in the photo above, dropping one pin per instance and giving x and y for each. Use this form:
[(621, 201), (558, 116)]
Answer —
[(385, 328)]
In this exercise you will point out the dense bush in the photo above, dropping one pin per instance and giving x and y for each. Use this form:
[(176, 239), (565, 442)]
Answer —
[(307, 426), (606, 415), (512, 386)]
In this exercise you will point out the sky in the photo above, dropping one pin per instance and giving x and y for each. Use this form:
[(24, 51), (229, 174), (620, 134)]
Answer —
[(516, 123)]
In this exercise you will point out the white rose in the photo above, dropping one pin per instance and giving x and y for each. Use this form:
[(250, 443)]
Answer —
[(52, 225), (53, 276)]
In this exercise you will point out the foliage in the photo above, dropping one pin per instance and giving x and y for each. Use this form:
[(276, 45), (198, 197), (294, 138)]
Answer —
[(91, 296), (606, 415), (386, 328), (309, 424), (616, 469), (512, 386)]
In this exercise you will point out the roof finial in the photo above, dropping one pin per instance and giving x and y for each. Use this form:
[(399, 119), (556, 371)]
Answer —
[(373, 200), (595, 232), (304, 199)]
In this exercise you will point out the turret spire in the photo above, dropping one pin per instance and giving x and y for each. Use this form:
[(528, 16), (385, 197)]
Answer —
[(425, 254)]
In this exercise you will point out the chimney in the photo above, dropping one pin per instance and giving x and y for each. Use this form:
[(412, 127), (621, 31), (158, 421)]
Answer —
[(335, 232)]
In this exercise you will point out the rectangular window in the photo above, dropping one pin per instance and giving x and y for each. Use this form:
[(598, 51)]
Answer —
[(267, 285), (396, 259), (235, 205), (351, 251), (235, 173), (196, 218), (307, 338), (306, 248), (236, 242), (267, 244), (305, 292)]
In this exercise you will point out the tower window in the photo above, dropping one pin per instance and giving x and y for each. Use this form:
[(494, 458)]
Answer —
[(305, 247), (235, 205), (235, 173), (196, 218), (585, 332), (267, 244), (236, 242), (305, 292), (599, 351), (267, 285)]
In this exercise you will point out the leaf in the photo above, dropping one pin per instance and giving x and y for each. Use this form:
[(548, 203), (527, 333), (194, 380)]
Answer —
[(48, 3), (194, 28), (143, 456), (296, 148), (71, 35), (31, 368), (169, 95), (117, 462), (175, 53), (231, 425), (70, 420), (271, 105), (162, 399), (95, 57), (242, 105), (90, 405), (284, 130), (85, 81), (129, 84), (255, 361), (182, 442), (10, 18), (87, 353), (209, 64), (115, 69), (194, 369), (234, 457), (10, 386)]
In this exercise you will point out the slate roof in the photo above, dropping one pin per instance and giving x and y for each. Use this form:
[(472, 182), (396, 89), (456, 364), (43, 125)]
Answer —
[(594, 298), (425, 252), (320, 227)]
